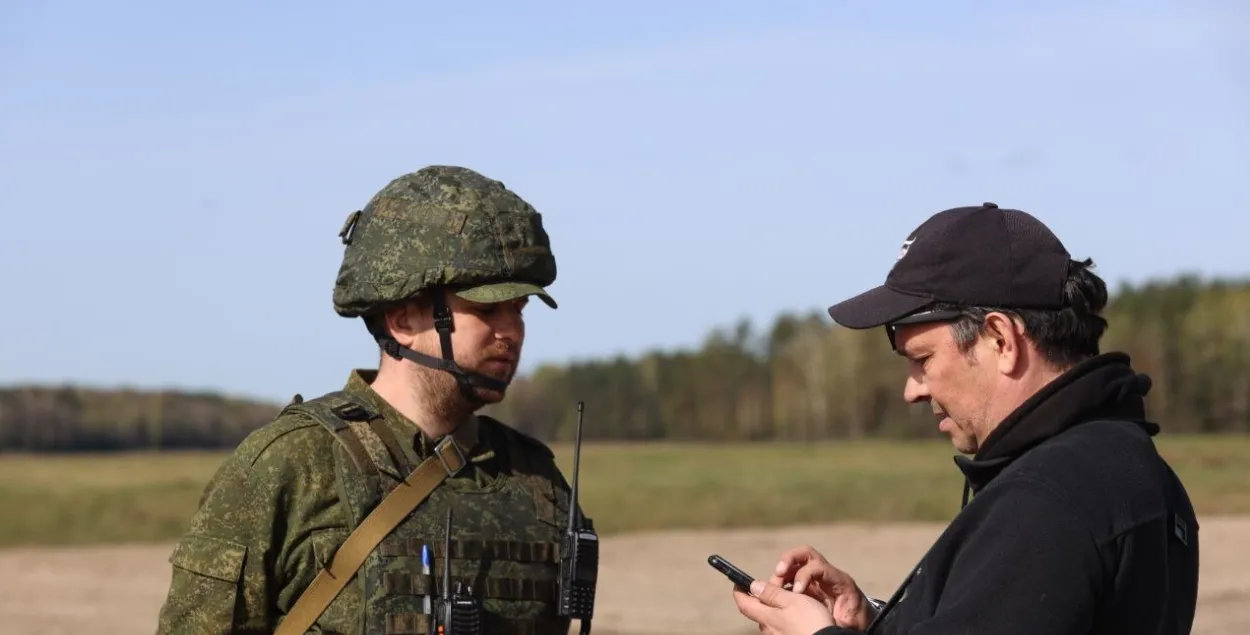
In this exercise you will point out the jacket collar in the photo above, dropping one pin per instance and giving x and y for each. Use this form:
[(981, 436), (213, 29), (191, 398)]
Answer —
[(466, 435), (1099, 388)]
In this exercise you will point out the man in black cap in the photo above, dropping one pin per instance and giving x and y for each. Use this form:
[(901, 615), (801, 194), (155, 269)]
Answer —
[(1077, 525)]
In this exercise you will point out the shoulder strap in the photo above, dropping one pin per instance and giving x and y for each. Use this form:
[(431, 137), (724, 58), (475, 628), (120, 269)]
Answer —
[(447, 460), (361, 431), (335, 411)]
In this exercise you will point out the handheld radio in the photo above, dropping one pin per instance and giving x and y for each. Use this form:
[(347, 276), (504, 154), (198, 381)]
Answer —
[(460, 613), (579, 552)]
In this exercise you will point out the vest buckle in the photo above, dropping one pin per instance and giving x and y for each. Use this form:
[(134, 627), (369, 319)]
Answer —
[(451, 456), (352, 411)]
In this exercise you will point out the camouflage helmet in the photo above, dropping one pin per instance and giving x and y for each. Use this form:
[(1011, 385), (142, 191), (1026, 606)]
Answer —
[(442, 226)]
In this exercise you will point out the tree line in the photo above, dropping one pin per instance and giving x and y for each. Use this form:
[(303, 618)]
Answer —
[(801, 379)]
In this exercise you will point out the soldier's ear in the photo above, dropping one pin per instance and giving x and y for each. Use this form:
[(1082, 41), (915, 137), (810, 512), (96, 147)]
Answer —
[(406, 320)]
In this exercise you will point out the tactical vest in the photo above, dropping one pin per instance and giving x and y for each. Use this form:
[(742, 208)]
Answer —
[(505, 536)]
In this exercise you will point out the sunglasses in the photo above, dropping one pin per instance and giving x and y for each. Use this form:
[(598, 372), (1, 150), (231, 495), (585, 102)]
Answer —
[(922, 317)]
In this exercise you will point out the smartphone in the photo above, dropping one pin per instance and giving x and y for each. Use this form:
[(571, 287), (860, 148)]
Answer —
[(735, 575)]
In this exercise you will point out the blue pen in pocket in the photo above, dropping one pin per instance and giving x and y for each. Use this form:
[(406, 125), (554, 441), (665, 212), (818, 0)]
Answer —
[(427, 568)]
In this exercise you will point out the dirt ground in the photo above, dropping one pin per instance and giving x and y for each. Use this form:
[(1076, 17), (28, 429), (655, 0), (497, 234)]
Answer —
[(118, 590)]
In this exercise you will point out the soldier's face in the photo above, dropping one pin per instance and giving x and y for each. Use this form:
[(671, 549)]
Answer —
[(486, 339)]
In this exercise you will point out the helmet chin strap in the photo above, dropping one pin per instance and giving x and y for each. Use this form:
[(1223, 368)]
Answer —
[(443, 325)]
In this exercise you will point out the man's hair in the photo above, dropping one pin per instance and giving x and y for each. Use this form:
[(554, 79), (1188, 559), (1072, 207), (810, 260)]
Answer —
[(1063, 336)]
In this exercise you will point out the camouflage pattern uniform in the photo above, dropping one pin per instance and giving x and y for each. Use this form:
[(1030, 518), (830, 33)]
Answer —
[(277, 509)]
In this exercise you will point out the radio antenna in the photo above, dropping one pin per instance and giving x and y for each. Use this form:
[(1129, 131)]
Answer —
[(577, 459)]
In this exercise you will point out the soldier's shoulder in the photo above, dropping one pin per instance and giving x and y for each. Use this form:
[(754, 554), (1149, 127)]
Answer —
[(293, 433), (527, 443)]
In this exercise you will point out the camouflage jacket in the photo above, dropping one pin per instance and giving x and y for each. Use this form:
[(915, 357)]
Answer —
[(278, 507)]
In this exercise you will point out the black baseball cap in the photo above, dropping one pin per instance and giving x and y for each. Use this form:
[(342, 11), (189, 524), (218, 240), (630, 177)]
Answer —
[(982, 256)]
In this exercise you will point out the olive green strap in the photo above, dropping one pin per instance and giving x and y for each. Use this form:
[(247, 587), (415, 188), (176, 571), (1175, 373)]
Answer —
[(447, 460)]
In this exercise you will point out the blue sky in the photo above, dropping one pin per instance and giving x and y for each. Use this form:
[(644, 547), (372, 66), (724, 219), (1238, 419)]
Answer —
[(173, 178)]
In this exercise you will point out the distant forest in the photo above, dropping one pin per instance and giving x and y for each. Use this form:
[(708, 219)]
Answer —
[(802, 378)]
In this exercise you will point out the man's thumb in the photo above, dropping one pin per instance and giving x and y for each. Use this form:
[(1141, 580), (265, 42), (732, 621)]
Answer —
[(768, 594)]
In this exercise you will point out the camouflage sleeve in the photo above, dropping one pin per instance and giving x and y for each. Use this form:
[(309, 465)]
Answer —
[(219, 581), (228, 568)]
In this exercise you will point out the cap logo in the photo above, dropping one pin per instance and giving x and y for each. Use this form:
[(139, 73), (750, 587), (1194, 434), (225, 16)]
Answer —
[(906, 245)]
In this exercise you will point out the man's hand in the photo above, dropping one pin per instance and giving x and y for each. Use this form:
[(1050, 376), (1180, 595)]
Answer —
[(814, 577), (780, 612)]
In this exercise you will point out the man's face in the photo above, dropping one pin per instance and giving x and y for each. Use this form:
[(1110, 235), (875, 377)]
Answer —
[(958, 386), (486, 339)]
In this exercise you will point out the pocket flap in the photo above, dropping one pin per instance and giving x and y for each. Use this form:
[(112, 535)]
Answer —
[(210, 556)]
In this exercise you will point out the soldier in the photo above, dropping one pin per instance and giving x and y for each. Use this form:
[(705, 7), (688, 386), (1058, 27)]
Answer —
[(439, 265)]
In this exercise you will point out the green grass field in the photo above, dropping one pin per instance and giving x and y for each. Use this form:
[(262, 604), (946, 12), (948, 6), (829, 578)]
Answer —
[(146, 497)]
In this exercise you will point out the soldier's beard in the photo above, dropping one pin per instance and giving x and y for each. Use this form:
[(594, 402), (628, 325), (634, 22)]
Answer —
[(441, 393)]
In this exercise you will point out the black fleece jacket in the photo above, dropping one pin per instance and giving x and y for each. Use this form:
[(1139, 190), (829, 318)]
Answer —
[(1077, 525)]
